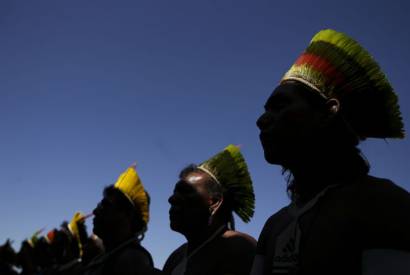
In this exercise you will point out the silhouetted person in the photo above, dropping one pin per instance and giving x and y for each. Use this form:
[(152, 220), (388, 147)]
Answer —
[(120, 220), (70, 246), (92, 248), (26, 259), (8, 259), (202, 205), (340, 220)]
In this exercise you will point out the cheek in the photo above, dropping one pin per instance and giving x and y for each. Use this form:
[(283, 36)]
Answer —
[(295, 122)]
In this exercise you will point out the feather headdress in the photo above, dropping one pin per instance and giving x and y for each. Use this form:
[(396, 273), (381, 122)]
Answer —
[(338, 67), (73, 228), (229, 169), (131, 186)]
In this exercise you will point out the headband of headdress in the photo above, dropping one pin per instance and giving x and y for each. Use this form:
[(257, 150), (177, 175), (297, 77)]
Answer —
[(229, 169), (336, 66), (131, 186)]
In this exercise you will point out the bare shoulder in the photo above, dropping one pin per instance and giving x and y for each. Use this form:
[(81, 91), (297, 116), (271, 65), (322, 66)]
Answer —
[(133, 261), (237, 249), (240, 237), (238, 242), (130, 256)]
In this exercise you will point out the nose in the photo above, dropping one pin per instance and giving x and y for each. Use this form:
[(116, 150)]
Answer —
[(97, 210), (171, 199), (263, 121)]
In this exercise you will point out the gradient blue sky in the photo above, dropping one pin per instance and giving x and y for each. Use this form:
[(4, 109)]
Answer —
[(88, 87)]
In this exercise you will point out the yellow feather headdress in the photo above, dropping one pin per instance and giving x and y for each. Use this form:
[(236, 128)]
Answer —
[(73, 227), (131, 186)]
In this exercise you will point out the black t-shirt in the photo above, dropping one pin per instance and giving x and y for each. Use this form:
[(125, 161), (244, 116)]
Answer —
[(367, 213)]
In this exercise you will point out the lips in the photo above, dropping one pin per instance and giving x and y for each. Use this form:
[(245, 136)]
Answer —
[(266, 137), (174, 213), (96, 221)]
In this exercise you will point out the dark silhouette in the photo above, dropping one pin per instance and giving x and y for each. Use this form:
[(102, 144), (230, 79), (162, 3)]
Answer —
[(8, 259), (56, 253), (338, 212), (201, 210), (120, 225), (69, 257)]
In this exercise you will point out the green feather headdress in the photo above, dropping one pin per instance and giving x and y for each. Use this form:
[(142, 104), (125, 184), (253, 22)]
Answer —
[(229, 169), (338, 67)]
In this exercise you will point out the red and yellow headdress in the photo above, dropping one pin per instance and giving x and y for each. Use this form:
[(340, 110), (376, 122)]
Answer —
[(336, 66)]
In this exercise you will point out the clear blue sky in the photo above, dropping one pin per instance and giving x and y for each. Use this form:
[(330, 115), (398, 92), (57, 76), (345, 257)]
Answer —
[(88, 87)]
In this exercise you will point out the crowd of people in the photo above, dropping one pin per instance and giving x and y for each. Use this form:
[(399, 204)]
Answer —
[(340, 220)]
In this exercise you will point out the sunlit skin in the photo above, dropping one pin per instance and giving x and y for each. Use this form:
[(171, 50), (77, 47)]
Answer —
[(191, 207)]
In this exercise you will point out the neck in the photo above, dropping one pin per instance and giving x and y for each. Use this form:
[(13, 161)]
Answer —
[(116, 240), (314, 170), (195, 239)]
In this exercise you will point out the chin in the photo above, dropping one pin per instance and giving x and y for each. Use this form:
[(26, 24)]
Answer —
[(272, 159), (274, 152), (175, 227), (271, 155), (97, 231)]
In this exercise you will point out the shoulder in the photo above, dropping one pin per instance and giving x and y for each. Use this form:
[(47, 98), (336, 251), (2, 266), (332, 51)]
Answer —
[(174, 258), (275, 224), (236, 250), (132, 260), (280, 216), (379, 192), (133, 255), (382, 209), (381, 184), (239, 241), (238, 236)]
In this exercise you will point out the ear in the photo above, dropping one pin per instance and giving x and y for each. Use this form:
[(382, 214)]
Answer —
[(215, 205), (333, 106)]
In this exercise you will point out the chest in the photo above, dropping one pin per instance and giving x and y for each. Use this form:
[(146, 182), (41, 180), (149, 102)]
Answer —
[(324, 239), (212, 259)]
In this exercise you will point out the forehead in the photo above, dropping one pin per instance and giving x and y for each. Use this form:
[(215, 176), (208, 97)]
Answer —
[(193, 182), (109, 200), (293, 92), (285, 91)]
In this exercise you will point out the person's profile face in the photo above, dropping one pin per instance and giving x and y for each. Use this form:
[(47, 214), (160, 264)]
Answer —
[(107, 216), (189, 210), (288, 123)]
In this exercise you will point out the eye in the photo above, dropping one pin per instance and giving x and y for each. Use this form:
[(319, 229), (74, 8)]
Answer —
[(277, 102)]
